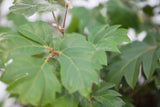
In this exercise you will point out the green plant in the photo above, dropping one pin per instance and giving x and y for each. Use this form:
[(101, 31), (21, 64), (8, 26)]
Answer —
[(71, 64), (49, 67)]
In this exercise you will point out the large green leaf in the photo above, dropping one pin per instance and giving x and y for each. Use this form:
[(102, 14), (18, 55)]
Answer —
[(104, 39), (107, 38), (133, 55), (32, 40), (77, 70), (32, 79), (29, 7), (119, 13), (14, 44), (37, 31)]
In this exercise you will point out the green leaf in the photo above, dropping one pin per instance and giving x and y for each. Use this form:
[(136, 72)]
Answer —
[(66, 101), (107, 38), (35, 82), (51, 1), (104, 39), (128, 100), (128, 105), (157, 81), (133, 55), (85, 17), (148, 10), (37, 31), (15, 1), (17, 19), (4, 29), (107, 97), (29, 7), (85, 103), (55, 66), (73, 27), (82, 16), (77, 70), (102, 87), (99, 59), (14, 44), (119, 13)]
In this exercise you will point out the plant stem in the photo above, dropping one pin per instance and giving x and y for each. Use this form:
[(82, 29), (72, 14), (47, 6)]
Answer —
[(58, 27), (61, 29), (55, 19), (64, 21), (52, 53)]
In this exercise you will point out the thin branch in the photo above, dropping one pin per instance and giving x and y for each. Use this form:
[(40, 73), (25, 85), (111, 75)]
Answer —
[(55, 20), (61, 29), (64, 21), (57, 24)]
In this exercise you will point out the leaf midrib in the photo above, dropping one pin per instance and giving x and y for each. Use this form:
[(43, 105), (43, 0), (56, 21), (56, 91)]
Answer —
[(121, 70), (75, 67), (35, 77)]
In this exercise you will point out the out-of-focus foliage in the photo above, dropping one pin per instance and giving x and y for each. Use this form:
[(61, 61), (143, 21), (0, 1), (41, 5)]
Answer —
[(29, 7), (119, 13)]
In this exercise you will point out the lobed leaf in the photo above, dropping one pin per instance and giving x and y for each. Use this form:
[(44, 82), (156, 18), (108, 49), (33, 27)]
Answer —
[(14, 44), (107, 38), (35, 83), (37, 31), (107, 97), (102, 96), (99, 59), (133, 55), (77, 70)]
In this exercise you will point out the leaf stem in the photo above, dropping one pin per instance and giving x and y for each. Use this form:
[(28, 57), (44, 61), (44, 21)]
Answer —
[(61, 29), (90, 99), (57, 24), (52, 52), (65, 16)]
